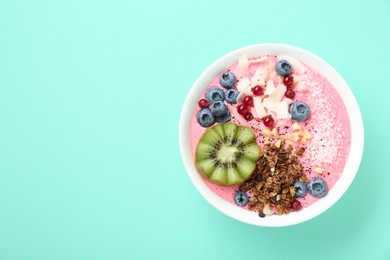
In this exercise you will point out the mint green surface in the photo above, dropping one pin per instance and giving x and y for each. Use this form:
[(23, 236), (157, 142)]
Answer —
[(90, 98)]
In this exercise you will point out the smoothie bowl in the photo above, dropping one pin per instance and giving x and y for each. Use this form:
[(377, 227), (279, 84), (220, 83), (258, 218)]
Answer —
[(271, 135)]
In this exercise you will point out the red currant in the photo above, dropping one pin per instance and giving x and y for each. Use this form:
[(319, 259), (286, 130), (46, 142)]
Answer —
[(203, 103), (248, 117), (248, 101), (290, 93), (296, 205), (268, 121), (242, 109), (288, 81), (258, 90)]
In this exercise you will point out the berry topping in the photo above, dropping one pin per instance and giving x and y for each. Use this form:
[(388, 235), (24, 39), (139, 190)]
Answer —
[(203, 103), (290, 93), (283, 67), (223, 119), (231, 96), (248, 101), (288, 81), (296, 205), (214, 94), (227, 80), (317, 187), (299, 111), (218, 108), (258, 91), (300, 189), (242, 109), (241, 198), (248, 117), (268, 121), (205, 117)]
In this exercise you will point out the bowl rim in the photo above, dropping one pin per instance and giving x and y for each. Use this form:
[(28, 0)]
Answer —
[(354, 114)]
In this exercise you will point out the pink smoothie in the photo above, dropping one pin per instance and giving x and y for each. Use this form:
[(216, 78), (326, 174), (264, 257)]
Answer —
[(328, 124)]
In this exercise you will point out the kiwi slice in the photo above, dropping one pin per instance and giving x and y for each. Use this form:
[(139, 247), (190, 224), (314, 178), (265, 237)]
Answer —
[(227, 154)]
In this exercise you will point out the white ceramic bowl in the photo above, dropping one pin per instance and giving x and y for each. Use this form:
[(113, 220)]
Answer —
[(357, 135)]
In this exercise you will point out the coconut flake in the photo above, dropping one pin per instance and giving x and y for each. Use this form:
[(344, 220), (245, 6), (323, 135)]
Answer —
[(278, 93), (259, 108), (243, 64), (275, 105), (259, 60), (270, 87), (243, 84), (281, 110)]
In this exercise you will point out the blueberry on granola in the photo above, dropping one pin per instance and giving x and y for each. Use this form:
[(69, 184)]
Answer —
[(300, 189), (241, 198)]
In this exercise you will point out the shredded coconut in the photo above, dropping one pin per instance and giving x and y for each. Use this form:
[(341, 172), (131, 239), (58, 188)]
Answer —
[(327, 133)]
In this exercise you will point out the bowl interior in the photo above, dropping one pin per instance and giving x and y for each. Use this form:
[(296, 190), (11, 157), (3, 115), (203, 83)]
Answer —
[(354, 157)]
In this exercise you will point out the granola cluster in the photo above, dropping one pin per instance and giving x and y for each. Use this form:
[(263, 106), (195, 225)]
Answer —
[(271, 186)]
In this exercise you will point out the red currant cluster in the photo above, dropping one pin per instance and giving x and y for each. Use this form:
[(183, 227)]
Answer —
[(288, 81), (244, 109)]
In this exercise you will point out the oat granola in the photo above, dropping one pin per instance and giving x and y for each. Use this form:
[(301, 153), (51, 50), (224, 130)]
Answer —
[(271, 186)]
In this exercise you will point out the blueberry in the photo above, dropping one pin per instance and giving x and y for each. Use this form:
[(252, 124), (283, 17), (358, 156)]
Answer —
[(317, 187), (227, 80), (240, 198), (218, 108), (223, 119), (231, 96), (205, 117), (300, 189), (214, 94), (299, 111), (283, 68)]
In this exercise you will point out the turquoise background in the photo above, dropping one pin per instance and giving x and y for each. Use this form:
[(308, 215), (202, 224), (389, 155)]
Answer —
[(90, 99)]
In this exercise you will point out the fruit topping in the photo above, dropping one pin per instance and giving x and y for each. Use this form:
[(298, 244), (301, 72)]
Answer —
[(223, 119), (300, 189), (227, 80), (299, 111), (205, 117), (227, 154), (296, 205), (288, 81), (218, 108), (231, 96), (242, 109), (317, 187), (248, 101), (203, 103), (283, 67), (290, 93), (241, 198), (258, 91), (248, 116), (268, 121), (214, 94)]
